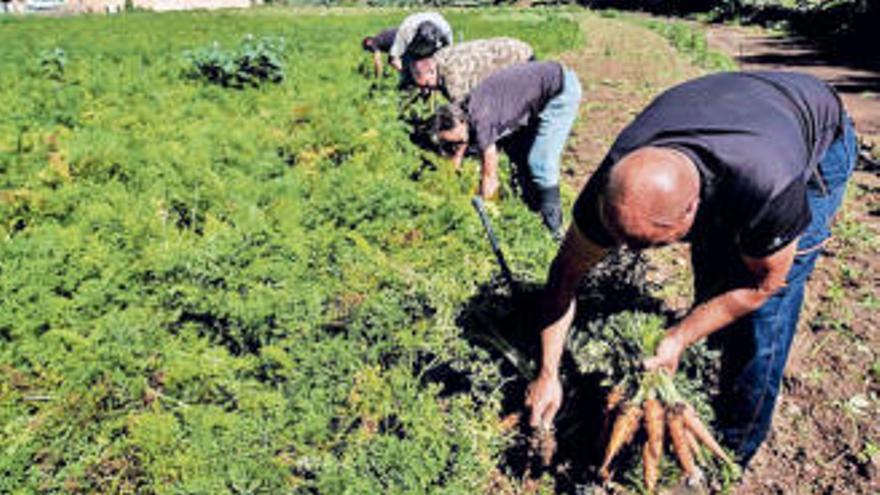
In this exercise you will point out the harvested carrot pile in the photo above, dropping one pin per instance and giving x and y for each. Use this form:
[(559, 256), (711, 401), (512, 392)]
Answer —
[(657, 409), (653, 434)]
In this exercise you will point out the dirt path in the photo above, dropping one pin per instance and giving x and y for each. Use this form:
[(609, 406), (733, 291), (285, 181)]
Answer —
[(826, 432), (857, 82), (621, 68)]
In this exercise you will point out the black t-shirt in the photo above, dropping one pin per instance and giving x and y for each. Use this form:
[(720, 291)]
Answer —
[(755, 138), (510, 98), (382, 42)]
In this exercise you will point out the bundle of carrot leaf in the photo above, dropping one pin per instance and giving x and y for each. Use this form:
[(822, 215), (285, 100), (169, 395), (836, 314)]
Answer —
[(644, 408)]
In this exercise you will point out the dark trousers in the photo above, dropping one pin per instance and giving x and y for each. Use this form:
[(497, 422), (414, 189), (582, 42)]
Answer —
[(754, 350), (546, 201)]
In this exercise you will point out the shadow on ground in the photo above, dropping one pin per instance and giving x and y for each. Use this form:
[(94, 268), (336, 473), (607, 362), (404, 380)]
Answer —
[(844, 35), (505, 323)]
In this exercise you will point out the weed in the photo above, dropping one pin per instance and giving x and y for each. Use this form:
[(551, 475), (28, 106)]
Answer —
[(255, 61), (51, 63), (854, 233), (691, 40)]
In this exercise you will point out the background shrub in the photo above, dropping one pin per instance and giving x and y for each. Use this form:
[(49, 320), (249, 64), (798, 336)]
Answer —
[(256, 60)]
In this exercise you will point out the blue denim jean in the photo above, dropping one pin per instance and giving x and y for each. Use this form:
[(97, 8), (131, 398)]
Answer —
[(554, 125), (754, 350)]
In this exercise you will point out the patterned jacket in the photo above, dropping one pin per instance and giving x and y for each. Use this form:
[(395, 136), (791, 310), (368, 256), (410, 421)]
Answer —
[(460, 68)]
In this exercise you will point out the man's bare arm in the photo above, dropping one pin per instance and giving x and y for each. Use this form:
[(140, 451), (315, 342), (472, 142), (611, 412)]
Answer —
[(769, 276), (458, 155), (575, 258), (377, 63), (489, 172)]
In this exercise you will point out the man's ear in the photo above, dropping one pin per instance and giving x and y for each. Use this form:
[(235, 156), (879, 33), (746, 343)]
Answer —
[(693, 206)]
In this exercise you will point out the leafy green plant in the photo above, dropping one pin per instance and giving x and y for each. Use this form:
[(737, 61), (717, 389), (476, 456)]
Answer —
[(255, 61), (51, 63), (691, 40)]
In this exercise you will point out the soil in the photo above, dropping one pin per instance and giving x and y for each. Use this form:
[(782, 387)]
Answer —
[(827, 427), (826, 433), (855, 78)]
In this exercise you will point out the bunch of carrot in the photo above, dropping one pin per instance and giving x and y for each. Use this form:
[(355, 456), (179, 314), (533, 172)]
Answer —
[(658, 408)]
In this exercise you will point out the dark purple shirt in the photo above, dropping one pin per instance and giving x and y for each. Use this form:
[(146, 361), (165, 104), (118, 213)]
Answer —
[(510, 98), (382, 42)]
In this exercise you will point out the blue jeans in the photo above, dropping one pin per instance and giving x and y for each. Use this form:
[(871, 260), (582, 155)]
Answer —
[(554, 125), (754, 350)]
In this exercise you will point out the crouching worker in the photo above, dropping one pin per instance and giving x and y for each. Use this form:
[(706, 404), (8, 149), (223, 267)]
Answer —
[(377, 45), (456, 70), (419, 36), (749, 168), (538, 101)]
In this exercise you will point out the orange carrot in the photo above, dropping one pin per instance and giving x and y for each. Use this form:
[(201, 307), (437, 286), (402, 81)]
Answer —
[(675, 420), (694, 424), (651, 466), (614, 398), (695, 445), (509, 422), (625, 427), (653, 450), (543, 444)]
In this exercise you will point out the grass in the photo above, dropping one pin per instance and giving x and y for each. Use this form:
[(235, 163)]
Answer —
[(690, 39)]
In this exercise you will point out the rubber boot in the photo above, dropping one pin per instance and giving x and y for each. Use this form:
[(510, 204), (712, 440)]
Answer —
[(550, 208)]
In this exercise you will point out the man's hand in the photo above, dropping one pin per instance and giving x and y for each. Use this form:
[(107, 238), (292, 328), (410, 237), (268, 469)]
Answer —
[(769, 276), (396, 63), (458, 156), (668, 354), (489, 187), (544, 397)]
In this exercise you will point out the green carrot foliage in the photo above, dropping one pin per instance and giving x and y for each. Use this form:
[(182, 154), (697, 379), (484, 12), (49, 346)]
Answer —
[(216, 291)]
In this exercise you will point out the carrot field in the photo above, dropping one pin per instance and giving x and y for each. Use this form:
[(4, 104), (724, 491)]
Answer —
[(219, 290), (217, 284)]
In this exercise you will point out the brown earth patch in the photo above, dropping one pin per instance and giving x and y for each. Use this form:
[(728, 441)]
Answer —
[(826, 433), (826, 430), (621, 68)]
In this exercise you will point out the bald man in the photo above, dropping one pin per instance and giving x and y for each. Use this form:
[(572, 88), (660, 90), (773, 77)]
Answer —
[(749, 168)]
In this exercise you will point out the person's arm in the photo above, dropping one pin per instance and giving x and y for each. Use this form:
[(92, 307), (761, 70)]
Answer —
[(575, 257), (489, 172), (458, 155), (395, 53), (377, 63), (769, 276)]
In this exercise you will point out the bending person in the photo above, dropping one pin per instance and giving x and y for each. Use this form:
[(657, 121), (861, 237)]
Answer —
[(456, 70), (749, 168), (377, 45), (419, 36), (539, 99)]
